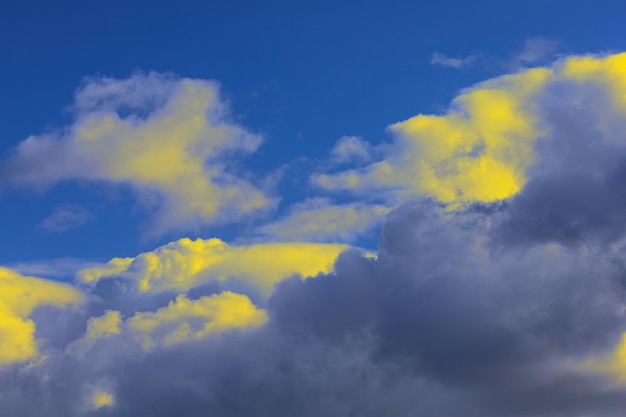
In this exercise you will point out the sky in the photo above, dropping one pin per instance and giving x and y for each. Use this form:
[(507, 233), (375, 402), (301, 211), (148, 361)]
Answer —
[(312, 208)]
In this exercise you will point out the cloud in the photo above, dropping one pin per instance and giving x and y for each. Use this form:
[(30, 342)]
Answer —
[(446, 61), (66, 218), (104, 326), (446, 320), (19, 296), (351, 149), (318, 219), (482, 149), (169, 139), (536, 50), (101, 398), (52, 268), (187, 263), (181, 320), (185, 319), (499, 301)]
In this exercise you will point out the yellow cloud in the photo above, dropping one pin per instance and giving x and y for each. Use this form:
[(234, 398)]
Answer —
[(172, 149), (115, 266), (19, 296), (185, 319), (609, 71), (482, 148), (102, 398), (187, 263), (105, 325)]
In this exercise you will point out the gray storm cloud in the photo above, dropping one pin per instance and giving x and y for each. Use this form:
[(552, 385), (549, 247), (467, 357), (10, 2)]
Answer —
[(448, 320)]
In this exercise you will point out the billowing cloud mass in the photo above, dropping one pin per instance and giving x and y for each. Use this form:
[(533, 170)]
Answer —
[(498, 289), (169, 139), (19, 296), (187, 263), (482, 149)]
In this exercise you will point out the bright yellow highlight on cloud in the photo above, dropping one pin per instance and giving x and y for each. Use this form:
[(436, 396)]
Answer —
[(19, 296), (168, 139), (102, 398), (187, 263), (612, 364), (481, 149), (104, 326), (185, 319), (610, 71)]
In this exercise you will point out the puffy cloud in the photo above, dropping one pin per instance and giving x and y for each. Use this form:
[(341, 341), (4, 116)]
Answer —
[(19, 296), (187, 263), (482, 149), (104, 326), (446, 320), (318, 219), (164, 137), (351, 149), (184, 319)]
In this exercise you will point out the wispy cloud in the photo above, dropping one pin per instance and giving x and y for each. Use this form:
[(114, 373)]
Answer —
[(446, 61), (66, 218), (320, 220), (536, 50)]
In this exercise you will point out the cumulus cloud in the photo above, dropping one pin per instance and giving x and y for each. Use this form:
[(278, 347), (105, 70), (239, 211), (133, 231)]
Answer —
[(187, 263), (19, 296), (169, 139), (447, 319), (482, 149)]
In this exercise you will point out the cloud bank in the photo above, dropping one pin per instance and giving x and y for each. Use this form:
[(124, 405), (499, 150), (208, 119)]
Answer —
[(498, 289)]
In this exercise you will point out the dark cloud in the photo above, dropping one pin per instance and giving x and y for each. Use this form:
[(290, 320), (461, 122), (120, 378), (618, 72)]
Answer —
[(576, 194), (442, 323)]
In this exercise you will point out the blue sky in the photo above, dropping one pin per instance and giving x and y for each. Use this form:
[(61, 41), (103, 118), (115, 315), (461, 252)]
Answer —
[(302, 74), (308, 209)]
